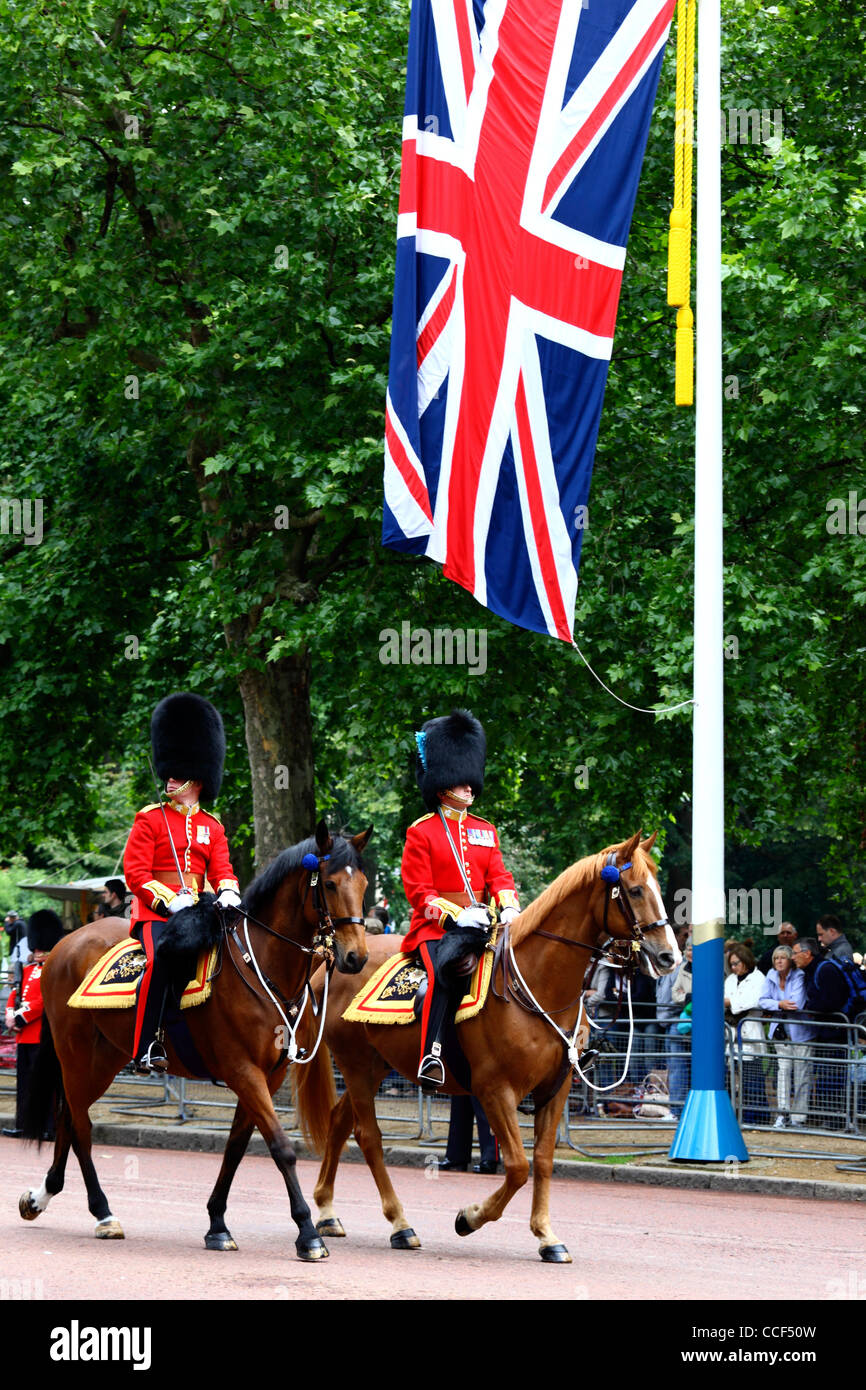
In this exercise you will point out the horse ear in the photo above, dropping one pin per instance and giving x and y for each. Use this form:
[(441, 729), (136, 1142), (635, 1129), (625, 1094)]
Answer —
[(626, 854), (359, 841), (646, 845), (323, 837)]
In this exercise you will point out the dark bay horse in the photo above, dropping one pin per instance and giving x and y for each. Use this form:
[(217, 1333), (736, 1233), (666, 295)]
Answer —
[(512, 1045), (237, 1031)]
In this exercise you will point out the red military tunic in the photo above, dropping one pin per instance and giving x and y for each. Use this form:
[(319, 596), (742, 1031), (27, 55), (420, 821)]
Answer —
[(30, 1002), (432, 879), (149, 866)]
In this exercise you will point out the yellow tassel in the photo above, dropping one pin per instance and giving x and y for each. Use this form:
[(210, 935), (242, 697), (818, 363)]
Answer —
[(680, 236), (679, 261), (684, 390)]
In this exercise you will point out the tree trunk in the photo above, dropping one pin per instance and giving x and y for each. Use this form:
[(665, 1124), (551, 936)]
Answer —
[(280, 745)]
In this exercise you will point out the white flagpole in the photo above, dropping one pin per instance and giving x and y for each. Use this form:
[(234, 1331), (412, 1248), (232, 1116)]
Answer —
[(708, 1130)]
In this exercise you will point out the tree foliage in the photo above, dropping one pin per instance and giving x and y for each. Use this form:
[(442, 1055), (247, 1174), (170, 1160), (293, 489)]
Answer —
[(197, 212)]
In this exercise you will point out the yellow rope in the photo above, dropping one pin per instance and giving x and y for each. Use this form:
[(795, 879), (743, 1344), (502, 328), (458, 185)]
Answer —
[(680, 242)]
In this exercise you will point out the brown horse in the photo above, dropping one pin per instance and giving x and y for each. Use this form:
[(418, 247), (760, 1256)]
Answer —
[(290, 920), (513, 1046)]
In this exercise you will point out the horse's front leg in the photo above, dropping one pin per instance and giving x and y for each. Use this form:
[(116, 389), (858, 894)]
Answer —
[(501, 1111), (219, 1237), (547, 1118), (253, 1095)]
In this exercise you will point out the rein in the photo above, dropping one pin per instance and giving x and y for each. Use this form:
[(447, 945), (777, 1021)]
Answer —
[(323, 945), (517, 990)]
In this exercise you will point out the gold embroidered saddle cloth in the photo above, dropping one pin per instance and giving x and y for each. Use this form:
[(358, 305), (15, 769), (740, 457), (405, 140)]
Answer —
[(113, 981), (389, 994)]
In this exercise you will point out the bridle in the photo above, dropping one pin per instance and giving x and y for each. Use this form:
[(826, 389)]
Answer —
[(516, 989), (611, 874), (323, 939), (322, 946)]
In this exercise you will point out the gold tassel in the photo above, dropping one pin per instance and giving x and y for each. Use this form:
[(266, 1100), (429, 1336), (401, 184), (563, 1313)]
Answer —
[(680, 235), (684, 387)]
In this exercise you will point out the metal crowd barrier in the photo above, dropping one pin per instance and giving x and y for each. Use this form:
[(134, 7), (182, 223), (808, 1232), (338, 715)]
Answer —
[(815, 1086), (821, 1089)]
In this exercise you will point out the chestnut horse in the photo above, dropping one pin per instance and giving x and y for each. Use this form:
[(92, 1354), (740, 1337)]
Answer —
[(513, 1045), (291, 917)]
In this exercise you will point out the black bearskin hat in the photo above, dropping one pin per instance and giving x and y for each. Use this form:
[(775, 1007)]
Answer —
[(451, 750), (44, 930), (189, 742)]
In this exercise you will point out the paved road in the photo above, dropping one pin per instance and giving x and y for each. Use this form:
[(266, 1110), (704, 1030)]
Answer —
[(633, 1243)]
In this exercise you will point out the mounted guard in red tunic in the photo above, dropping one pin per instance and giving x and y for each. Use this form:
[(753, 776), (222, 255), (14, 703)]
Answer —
[(453, 873), (175, 849)]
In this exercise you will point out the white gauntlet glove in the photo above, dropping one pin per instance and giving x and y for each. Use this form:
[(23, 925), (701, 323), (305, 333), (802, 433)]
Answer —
[(508, 914), (228, 898), (477, 917), (182, 899)]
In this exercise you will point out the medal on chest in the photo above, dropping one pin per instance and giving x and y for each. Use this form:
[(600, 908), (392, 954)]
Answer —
[(477, 836), (202, 834)]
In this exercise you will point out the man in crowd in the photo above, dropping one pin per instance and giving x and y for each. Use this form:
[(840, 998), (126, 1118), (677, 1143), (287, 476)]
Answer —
[(826, 993), (114, 902), (831, 936)]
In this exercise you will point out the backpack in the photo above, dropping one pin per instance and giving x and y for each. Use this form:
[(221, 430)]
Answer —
[(855, 980)]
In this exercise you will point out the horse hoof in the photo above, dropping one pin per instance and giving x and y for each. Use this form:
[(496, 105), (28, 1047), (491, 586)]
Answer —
[(109, 1229), (555, 1255), (219, 1240), (405, 1240), (27, 1207), (330, 1226), (461, 1225), (316, 1250)]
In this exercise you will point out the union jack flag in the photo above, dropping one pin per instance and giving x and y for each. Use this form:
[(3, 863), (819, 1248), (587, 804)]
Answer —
[(523, 138)]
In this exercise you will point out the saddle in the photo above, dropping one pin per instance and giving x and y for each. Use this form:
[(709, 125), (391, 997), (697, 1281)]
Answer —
[(112, 983), (394, 992)]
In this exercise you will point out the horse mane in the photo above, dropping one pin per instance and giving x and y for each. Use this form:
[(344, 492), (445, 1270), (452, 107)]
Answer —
[(572, 880), (263, 887)]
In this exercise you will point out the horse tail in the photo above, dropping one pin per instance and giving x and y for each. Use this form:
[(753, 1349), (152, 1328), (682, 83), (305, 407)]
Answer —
[(46, 1088), (315, 1097)]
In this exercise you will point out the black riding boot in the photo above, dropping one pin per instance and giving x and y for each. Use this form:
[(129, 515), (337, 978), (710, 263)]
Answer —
[(445, 990)]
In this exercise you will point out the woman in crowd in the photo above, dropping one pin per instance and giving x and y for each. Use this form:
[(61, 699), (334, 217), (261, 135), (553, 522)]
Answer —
[(743, 989), (784, 993)]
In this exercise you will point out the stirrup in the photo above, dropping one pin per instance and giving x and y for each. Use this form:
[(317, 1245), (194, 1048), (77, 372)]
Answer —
[(154, 1059), (588, 1059), (431, 1072)]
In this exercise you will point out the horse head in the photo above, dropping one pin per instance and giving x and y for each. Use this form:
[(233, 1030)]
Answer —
[(629, 905), (336, 901)]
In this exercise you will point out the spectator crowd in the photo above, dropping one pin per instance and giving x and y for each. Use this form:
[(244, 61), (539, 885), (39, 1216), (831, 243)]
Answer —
[(790, 1038)]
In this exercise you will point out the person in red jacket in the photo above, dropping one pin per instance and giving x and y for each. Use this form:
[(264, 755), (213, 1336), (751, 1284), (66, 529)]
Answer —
[(174, 849), (24, 1007), (452, 868)]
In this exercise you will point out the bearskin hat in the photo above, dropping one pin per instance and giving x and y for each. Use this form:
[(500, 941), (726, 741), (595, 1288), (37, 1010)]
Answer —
[(189, 742), (452, 750), (44, 930)]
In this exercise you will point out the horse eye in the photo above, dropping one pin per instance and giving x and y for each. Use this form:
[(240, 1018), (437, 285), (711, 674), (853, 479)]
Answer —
[(330, 885), (636, 892)]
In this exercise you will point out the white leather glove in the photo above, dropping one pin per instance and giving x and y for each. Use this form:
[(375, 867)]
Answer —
[(477, 917), (228, 898), (9, 1017), (180, 900), (508, 914)]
